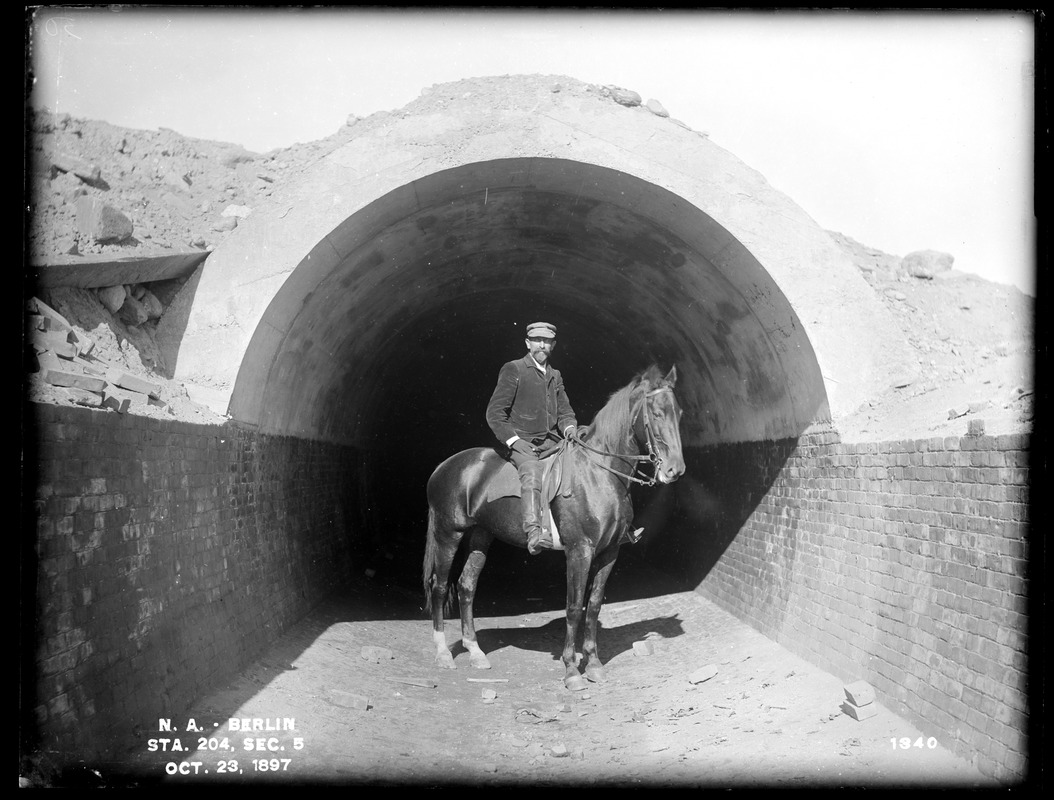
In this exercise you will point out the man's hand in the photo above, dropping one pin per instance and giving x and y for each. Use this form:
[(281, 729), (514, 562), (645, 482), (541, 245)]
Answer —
[(523, 447), (573, 434)]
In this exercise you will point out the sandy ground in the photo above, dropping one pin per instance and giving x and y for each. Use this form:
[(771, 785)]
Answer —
[(766, 719)]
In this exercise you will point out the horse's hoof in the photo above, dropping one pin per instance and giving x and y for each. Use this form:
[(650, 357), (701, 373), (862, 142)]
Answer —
[(596, 674), (575, 683), (445, 660), (479, 661)]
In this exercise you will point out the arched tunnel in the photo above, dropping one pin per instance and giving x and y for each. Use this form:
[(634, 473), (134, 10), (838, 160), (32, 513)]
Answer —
[(371, 302), (351, 329), (396, 349)]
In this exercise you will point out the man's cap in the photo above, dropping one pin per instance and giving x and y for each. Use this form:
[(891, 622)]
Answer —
[(541, 329)]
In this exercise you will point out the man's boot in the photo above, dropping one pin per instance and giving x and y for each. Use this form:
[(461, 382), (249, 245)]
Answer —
[(538, 538)]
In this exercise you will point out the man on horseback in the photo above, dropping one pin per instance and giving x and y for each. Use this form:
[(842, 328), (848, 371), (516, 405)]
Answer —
[(528, 412)]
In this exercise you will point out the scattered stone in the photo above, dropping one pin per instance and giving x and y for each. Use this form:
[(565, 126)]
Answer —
[(643, 648), (489, 694), (132, 312), (82, 397), (236, 211), (703, 674), (112, 298), (133, 383), (56, 342), (153, 306), (975, 427), (376, 654), (123, 400), (860, 693), (656, 108), (101, 222), (859, 713), (75, 380), (979, 405), (489, 767), (926, 263), (958, 411), (225, 224), (176, 181), (235, 157), (625, 97), (119, 404), (55, 320), (559, 751), (66, 162)]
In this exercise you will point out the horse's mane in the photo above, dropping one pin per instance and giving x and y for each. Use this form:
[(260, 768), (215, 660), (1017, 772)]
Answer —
[(611, 428)]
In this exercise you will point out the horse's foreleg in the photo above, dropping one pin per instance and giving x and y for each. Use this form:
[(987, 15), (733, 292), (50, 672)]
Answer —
[(466, 592), (602, 566), (579, 561)]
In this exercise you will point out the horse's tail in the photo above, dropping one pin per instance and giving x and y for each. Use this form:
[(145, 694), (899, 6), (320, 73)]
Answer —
[(429, 569)]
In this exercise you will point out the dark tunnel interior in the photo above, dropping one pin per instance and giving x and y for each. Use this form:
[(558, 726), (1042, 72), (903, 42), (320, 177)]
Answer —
[(437, 378)]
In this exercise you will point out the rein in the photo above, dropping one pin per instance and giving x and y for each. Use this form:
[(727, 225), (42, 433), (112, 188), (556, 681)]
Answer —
[(653, 457)]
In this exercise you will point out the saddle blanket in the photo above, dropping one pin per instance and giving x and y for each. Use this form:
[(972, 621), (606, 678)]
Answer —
[(507, 484)]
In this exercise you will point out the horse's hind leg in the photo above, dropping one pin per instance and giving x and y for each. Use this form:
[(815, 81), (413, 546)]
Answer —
[(441, 548), (479, 543), (602, 566)]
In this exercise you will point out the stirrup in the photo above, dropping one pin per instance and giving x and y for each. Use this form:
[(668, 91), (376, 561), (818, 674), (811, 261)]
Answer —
[(633, 536)]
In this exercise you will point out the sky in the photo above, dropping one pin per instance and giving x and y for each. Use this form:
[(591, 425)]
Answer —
[(905, 131)]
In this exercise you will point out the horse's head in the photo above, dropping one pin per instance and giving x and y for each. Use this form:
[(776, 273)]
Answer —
[(657, 426)]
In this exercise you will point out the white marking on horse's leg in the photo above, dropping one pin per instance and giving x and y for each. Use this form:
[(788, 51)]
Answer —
[(476, 656), (443, 657)]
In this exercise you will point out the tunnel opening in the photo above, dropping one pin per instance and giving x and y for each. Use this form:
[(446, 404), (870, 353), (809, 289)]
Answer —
[(389, 336)]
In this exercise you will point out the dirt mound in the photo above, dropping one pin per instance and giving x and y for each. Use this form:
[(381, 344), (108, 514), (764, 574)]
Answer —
[(99, 190)]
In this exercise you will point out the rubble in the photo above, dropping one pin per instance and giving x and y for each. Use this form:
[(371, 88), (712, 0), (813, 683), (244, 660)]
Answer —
[(859, 701)]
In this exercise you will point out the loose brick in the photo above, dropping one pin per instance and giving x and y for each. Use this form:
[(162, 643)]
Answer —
[(74, 380), (133, 383)]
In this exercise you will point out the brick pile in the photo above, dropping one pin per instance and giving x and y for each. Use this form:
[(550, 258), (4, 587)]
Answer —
[(64, 359)]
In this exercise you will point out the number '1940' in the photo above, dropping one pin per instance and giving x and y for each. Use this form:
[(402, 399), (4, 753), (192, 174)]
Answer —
[(904, 742)]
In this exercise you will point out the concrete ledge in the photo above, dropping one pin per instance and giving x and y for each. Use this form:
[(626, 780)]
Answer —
[(85, 272)]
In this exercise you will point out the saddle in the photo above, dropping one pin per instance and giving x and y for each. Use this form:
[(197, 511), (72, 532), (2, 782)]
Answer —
[(556, 477)]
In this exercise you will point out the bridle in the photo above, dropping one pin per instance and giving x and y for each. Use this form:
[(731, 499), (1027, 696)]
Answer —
[(653, 456)]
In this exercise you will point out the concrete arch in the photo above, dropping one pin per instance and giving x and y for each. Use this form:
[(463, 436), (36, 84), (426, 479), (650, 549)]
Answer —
[(433, 233)]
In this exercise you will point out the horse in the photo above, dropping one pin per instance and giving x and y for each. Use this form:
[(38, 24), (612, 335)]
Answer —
[(591, 518)]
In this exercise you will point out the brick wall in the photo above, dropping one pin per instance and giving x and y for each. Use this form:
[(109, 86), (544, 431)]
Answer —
[(900, 563), (167, 556)]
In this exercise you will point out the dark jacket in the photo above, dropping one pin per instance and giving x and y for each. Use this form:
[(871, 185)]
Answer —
[(527, 404)]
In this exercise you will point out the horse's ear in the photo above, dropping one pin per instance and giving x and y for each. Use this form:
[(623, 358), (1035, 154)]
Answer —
[(671, 376)]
